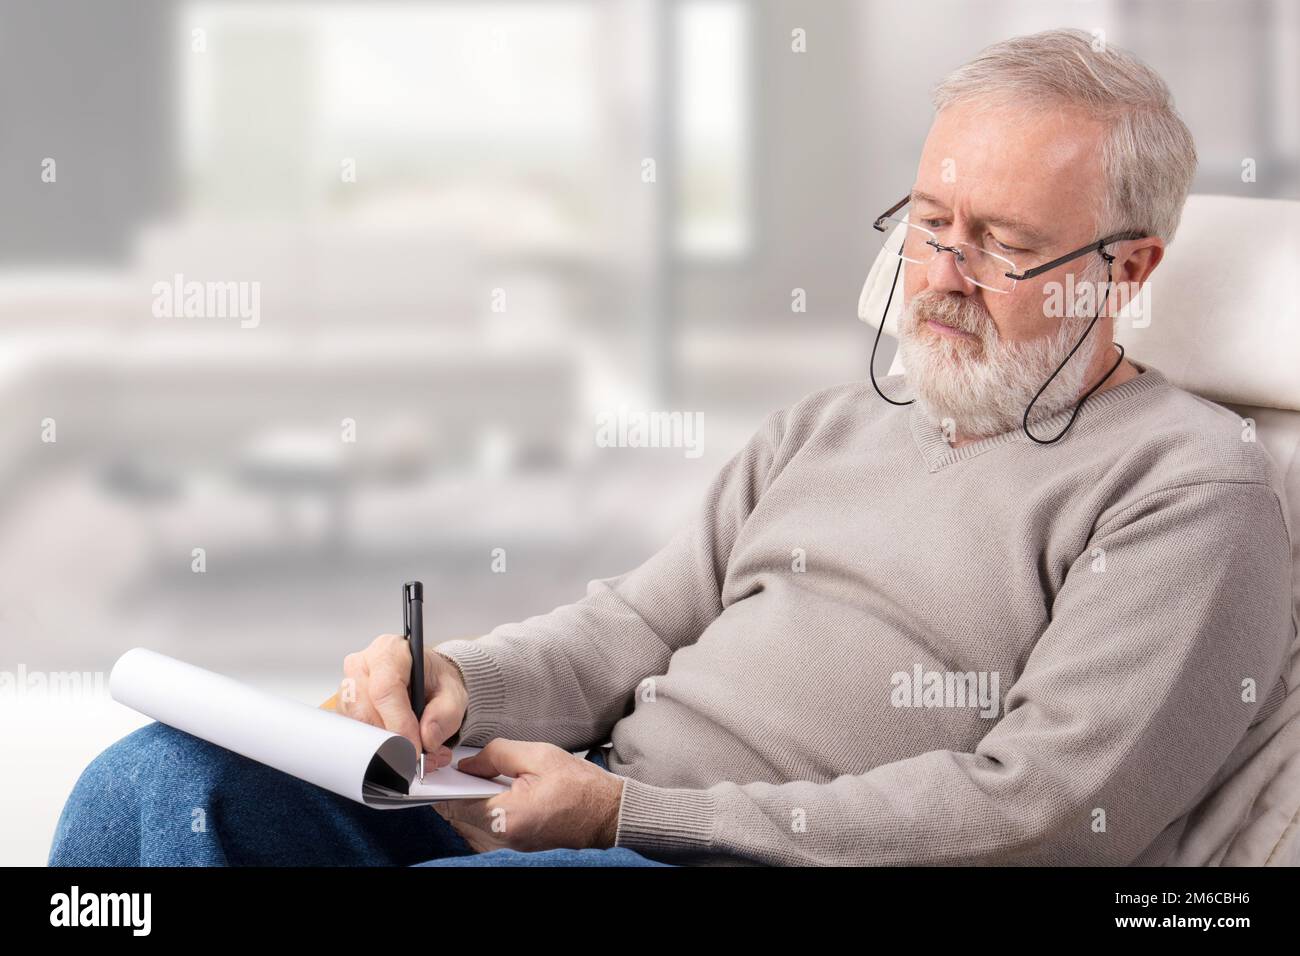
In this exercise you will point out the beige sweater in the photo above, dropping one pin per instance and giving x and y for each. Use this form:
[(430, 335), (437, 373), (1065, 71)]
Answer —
[(868, 647)]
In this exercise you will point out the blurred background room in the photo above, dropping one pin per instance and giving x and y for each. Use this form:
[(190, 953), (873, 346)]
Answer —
[(435, 242)]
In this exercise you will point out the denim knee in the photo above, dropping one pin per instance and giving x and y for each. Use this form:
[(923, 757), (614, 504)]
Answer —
[(619, 856), (113, 808)]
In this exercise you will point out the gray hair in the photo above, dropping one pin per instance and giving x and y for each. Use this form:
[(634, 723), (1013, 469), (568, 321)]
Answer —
[(1148, 157)]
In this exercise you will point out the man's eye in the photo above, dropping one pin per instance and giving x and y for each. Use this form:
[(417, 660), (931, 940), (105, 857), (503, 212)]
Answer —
[(1004, 247), (932, 223)]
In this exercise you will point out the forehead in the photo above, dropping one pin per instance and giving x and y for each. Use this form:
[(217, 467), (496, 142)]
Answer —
[(1044, 165)]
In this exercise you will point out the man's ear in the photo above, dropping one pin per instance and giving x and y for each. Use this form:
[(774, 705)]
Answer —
[(1137, 264)]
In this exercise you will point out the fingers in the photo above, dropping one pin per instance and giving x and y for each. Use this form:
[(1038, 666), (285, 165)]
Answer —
[(476, 814), (437, 757), (380, 692), (353, 699), (390, 696)]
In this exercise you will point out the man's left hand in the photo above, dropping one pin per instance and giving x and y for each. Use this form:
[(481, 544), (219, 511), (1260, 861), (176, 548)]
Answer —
[(557, 800)]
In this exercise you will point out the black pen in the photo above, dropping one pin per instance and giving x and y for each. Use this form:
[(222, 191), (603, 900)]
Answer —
[(413, 630)]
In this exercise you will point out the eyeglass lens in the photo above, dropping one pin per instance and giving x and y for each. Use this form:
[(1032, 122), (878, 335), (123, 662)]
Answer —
[(977, 264)]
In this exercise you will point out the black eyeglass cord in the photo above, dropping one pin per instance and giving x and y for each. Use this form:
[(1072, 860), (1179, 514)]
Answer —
[(876, 345), (1024, 424)]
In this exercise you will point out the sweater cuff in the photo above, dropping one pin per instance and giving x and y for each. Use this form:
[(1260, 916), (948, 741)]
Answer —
[(486, 689), (665, 823)]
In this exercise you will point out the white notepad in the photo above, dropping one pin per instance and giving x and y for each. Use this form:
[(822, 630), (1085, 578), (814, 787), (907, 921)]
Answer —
[(353, 759)]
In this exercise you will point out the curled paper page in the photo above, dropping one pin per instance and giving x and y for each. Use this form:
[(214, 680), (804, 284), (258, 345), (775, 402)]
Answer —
[(345, 756)]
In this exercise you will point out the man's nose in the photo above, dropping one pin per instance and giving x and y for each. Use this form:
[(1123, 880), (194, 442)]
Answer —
[(942, 274)]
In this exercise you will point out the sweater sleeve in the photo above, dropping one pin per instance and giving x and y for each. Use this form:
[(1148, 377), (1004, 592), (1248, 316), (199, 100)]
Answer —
[(1133, 697), (568, 676)]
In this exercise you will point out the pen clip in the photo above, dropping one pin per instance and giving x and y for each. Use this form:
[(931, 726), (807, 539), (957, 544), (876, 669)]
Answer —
[(406, 611)]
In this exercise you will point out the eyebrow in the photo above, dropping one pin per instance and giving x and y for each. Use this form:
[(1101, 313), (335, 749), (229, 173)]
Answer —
[(1023, 229)]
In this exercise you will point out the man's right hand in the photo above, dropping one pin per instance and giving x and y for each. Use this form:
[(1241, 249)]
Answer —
[(376, 690)]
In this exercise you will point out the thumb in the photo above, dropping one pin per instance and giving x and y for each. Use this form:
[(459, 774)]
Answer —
[(510, 757), (439, 721)]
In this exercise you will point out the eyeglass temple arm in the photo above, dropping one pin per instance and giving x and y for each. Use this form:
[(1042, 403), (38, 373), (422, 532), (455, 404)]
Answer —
[(1098, 246), (890, 211)]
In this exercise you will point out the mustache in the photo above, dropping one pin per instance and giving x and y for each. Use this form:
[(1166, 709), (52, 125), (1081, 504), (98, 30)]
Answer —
[(956, 311)]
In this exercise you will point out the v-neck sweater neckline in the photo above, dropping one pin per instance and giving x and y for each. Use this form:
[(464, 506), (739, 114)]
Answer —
[(939, 454)]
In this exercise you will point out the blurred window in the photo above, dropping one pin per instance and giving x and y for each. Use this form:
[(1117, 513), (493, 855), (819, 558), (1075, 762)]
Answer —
[(712, 129)]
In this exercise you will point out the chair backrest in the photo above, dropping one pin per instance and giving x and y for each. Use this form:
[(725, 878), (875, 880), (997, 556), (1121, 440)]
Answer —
[(1220, 319)]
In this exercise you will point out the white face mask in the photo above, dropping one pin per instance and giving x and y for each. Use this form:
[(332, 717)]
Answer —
[(983, 385)]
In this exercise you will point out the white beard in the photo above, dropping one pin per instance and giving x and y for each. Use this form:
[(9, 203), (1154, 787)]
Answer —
[(982, 386)]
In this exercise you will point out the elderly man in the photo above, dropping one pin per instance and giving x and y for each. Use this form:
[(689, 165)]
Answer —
[(1021, 618)]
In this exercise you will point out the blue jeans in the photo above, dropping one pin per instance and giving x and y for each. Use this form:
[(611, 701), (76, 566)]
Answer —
[(161, 797)]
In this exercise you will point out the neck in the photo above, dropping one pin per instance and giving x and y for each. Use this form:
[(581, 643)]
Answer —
[(1126, 371)]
